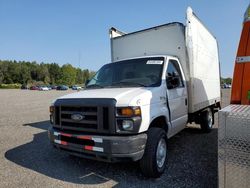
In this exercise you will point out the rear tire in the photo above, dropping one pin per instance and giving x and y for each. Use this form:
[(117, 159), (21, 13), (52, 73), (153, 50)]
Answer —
[(207, 120), (153, 162)]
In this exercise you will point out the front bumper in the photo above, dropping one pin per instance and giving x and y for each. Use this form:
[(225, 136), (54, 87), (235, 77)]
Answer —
[(103, 148)]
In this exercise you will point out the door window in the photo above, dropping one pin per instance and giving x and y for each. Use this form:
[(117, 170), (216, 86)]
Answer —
[(173, 77)]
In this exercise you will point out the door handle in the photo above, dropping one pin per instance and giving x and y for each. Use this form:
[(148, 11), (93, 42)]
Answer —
[(186, 101)]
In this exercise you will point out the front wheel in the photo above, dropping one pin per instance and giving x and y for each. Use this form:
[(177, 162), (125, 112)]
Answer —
[(153, 162), (207, 120)]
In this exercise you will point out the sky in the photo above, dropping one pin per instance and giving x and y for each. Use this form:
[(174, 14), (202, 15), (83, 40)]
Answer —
[(76, 31)]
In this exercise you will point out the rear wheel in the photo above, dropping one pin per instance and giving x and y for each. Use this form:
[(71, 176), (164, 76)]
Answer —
[(207, 120), (153, 162)]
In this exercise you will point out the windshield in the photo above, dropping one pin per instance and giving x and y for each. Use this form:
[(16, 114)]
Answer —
[(143, 72)]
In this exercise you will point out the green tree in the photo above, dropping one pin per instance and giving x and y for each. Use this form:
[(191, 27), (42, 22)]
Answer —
[(3, 70), (25, 75), (55, 73), (79, 76), (68, 75), (25, 72), (7, 75), (43, 73), (226, 80), (13, 72), (34, 70)]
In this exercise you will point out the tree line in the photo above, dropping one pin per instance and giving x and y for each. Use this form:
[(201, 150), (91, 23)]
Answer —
[(33, 73), (226, 80)]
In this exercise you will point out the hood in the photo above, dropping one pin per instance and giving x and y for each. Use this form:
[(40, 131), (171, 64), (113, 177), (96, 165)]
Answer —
[(123, 96)]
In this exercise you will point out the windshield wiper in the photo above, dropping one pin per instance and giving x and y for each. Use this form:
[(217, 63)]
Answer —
[(94, 86), (123, 83)]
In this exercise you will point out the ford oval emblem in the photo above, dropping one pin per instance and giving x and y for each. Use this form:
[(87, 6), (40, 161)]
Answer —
[(77, 117)]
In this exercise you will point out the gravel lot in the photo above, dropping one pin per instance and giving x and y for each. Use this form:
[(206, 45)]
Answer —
[(28, 160)]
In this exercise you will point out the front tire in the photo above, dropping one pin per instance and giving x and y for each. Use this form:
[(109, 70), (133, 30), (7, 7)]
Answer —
[(153, 162), (207, 120)]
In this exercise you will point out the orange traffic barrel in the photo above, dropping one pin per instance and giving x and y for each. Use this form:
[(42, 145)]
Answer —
[(241, 78)]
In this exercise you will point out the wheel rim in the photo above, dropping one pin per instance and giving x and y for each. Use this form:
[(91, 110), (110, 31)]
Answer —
[(210, 119), (161, 152)]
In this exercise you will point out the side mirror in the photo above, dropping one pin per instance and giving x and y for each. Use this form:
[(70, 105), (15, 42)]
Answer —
[(175, 82), (172, 82)]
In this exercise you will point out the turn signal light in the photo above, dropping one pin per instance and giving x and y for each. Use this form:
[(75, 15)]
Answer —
[(137, 111), (126, 112), (51, 109), (129, 111)]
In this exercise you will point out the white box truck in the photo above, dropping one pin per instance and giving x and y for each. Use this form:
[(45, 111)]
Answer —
[(160, 79)]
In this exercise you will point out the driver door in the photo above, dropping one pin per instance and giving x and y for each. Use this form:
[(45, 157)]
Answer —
[(177, 96)]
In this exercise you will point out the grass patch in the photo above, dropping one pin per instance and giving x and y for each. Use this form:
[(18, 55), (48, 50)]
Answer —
[(10, 86)]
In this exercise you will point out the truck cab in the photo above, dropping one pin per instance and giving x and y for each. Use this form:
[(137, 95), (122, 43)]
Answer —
[(110, 119), (156, 86)]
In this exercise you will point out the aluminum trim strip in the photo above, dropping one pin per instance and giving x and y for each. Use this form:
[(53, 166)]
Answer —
[(243, 59), (98, 140)]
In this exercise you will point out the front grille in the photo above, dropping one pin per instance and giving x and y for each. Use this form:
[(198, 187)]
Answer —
[(99, 115), (106, 118), (89, 114)]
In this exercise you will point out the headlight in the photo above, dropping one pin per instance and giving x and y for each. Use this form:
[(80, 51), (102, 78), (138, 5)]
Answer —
[(127, 125), (128, 119)]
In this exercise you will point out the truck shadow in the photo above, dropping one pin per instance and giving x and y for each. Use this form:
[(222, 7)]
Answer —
[(192, 161)]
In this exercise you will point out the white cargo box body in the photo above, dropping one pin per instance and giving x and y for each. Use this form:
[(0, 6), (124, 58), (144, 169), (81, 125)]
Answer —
[(193, 45)]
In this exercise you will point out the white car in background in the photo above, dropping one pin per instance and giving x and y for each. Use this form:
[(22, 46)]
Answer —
[(44, 88), (75, 87)]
